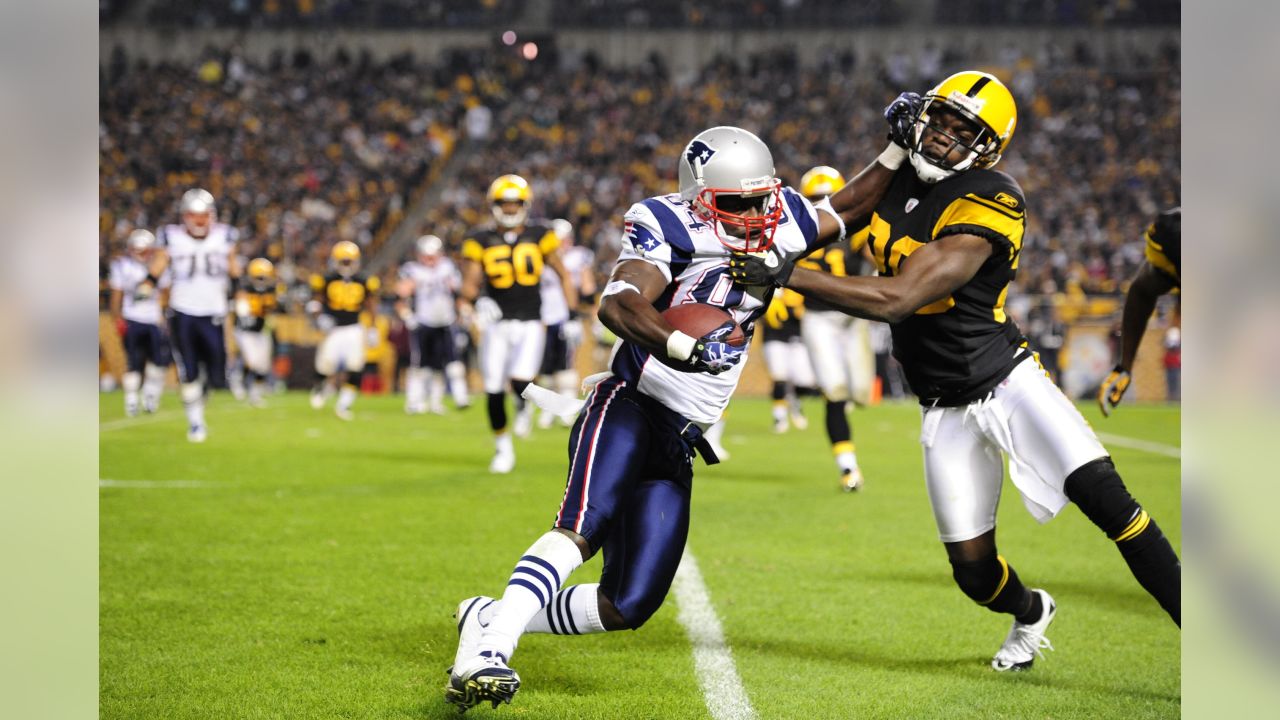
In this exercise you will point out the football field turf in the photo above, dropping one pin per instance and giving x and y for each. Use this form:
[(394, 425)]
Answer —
[(296, 566)]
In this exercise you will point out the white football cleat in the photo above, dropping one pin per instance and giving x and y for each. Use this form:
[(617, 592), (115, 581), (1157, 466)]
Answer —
[(197, 434), (1025, 642), (469, 628), (344, 414), (415, 409), (317, 400), (482, 678), (799, 421), (503, 462), (437, 408), (851, 479)]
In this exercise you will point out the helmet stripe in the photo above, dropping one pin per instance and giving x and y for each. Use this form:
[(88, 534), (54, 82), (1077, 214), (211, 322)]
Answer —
[(977, 86)]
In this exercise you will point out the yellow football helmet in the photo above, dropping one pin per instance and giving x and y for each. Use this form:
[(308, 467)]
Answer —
[(507, 189), (262, 274), (345, 258), (820, 182), (985, 104)]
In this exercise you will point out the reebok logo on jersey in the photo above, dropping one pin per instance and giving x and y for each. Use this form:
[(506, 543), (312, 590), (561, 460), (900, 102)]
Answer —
[(1007, 200), (911, 204)]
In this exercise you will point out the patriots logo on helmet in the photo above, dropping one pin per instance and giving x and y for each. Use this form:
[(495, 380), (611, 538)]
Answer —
[(699, 151)]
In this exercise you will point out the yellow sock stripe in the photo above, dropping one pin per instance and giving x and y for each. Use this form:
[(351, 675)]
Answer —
[(1136, 527), (1004, 578), (842, 447), (780, 403)]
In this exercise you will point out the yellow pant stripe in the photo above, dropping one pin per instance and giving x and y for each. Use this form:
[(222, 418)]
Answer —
[(1004, 578), (842, 447), (1136, 527)]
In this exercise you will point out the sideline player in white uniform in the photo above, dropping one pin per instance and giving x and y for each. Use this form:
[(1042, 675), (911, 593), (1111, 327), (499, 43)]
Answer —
[(564, 321), (338, 298), (946, 239), (200, 254), (433, 282), (786, 359), (507, 261), (631, 449), (254, 300), (137, 307), (839, 345)]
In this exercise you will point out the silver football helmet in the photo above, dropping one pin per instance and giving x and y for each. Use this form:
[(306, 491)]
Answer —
[(140, 242), (430, 246), (197, 209), (727, 177), (563, 230)]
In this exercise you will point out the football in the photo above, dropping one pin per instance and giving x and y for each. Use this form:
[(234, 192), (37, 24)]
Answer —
[(698, 319)]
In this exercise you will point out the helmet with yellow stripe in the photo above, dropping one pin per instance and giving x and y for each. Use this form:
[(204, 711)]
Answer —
[(262, 274), (509, 197), (346, 258), (965, 122), (820, 182)]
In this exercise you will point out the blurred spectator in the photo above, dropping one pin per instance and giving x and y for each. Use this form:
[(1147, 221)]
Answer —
[(1173, 361)]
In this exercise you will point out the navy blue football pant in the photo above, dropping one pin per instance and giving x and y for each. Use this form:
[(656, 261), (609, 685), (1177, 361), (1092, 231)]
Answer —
[(199, 340), (628, 492), (145, 343), (555, 354), (432, 347)]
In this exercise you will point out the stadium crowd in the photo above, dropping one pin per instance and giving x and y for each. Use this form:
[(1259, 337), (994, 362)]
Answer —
[(303, 152)]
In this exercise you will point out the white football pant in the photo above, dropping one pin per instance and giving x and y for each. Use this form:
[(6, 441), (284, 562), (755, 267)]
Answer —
[(255, 351), (1028, 419), (511, 349), (840, 347), (789, 361), (341, 349)]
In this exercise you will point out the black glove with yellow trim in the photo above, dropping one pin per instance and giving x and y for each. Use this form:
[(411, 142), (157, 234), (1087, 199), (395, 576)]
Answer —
[(1113, 389), (766, 268)]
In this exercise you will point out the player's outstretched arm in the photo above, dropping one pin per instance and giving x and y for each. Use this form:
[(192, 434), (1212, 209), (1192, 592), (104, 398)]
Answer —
[(1147, 287)]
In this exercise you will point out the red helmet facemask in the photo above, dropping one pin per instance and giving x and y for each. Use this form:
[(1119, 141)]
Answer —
[(727, 208)]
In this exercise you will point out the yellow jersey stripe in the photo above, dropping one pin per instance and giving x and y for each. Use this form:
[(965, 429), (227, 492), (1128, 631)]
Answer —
[(549, 242), (472, 250), (964, 211)]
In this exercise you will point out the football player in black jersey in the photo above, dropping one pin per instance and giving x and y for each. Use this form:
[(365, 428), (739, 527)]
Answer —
[(1159, 274), (506, 262), (946, 239), (839, 345), (257, 296), (338, 299)]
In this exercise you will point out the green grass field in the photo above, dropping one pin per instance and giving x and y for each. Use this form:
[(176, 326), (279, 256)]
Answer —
[(296, 566)]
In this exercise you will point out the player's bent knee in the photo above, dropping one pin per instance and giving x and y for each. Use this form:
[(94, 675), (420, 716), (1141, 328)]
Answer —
[(584, 546), (1096, 488), (981, 579)]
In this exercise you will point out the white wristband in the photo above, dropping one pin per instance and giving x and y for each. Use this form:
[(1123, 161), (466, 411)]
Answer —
[(617, 286), (892, 157), (680, 346)]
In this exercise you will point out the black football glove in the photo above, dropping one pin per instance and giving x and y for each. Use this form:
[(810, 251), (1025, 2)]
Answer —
[(713, 355), (767, 268), (901, 115)]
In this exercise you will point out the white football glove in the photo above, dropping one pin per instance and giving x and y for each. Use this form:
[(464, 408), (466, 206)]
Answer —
[(487, 311)]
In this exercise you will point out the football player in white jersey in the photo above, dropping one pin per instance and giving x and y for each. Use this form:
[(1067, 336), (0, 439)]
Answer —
[(839, 345), (200, 254), (563, 321), (427, 291), (137, 305), (631, 450)]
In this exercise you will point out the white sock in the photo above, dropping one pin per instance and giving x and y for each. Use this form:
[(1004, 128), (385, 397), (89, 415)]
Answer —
[(415, 387), (457, 374), (131, 382), (574, 610), (503, 444), (435, 391), (779, 410), (535, 581), (193, 403), (153, 384), (346, 397), (847, 460)]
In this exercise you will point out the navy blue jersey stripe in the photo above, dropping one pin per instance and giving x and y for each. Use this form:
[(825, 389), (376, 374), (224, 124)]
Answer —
[(674, 233), (796, 207)]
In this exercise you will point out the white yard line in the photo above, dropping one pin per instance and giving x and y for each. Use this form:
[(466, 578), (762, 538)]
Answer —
[(127, 422), (151, 484), (712, 660), (1154, 448)]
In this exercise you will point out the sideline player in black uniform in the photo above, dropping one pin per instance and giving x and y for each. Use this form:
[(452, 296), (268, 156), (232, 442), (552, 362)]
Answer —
[(257, 295), (338, 298), (507, 260), (946, 239), (839, 345), (1161, 273)]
